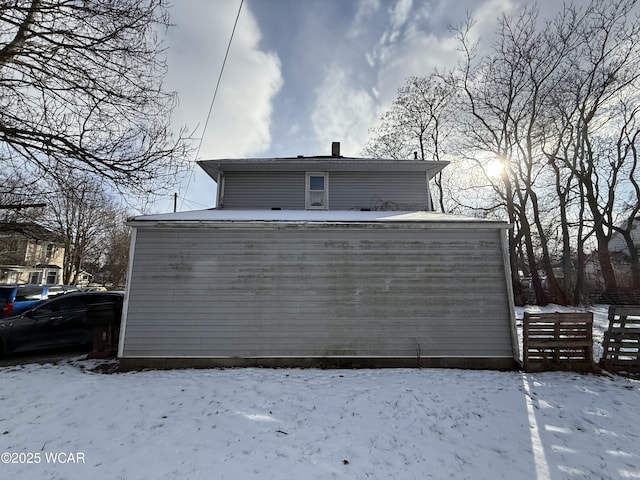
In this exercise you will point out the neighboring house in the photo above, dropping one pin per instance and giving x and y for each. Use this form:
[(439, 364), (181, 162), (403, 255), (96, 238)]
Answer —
[(617, 242), (593, 271), (30, 253), (84, 278), (621, 263), (318, 261)]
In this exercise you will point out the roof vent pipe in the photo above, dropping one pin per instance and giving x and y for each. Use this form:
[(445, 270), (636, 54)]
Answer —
[(335, 149)]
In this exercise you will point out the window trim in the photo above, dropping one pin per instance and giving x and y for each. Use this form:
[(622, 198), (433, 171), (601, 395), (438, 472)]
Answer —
[(307, 191)]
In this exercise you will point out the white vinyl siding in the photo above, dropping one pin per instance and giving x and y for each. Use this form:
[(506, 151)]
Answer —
[(379, 191), (266, 190), (347, 190), (318, 291)]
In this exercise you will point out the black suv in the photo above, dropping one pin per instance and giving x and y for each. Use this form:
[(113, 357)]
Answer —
[(65, 321)]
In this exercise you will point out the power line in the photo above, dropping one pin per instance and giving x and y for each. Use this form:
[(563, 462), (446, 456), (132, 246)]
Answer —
[(215, 94), (194, 204)]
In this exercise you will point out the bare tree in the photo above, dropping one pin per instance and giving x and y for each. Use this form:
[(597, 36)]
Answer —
[(544, 101), (595, 104), (116, 254), (81, 88), (81, 211), (505, 92), (627, 148), (556, 104), (20, 198), (416, 125)]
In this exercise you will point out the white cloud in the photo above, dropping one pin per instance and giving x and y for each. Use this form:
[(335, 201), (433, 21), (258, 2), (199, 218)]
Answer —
[(426, 42), (240, 120), (400, 13), (414, 40), (342, 112), (408, 58), (239, 123), (347, 107), (485, 16), (366, 9)]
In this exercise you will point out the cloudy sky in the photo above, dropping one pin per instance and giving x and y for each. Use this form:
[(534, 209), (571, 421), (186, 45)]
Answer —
[(303, 73)]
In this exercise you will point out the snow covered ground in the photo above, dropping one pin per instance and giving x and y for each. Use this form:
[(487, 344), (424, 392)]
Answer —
[(66, 421)]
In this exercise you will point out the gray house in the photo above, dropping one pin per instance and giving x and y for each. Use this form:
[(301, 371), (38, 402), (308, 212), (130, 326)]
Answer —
[(318, 261)]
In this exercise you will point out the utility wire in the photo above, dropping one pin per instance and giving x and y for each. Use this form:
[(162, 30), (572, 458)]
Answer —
[(215, 94), (193, 204)]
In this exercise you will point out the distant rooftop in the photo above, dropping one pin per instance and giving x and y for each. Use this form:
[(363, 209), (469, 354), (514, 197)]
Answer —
[(29, 229)]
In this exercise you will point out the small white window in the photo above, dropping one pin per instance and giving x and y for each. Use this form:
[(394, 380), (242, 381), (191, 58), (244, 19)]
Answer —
[(317, 191)]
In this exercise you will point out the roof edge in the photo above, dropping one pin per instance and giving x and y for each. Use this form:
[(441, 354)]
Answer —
[(252, 218), (214, 167)]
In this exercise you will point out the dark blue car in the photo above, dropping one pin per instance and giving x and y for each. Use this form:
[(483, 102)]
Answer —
[(15, 299)]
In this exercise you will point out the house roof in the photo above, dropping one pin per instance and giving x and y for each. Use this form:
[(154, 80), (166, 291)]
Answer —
[(617, 242), (214, 167), (222, 216), (31, 230)]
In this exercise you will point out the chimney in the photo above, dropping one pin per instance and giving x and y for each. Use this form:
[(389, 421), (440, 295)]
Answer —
[(335, 149)]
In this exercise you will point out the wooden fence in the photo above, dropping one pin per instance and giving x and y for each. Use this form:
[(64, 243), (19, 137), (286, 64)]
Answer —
[(558, 341), (621, 345)]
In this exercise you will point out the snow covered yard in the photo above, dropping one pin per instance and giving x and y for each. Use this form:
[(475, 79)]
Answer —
[(315, 424)]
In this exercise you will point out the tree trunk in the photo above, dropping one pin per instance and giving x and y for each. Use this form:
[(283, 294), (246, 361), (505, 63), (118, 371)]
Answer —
[(556, 292), (438, 182), (579, 293), (635, 262), (536, 280), (608, 274)]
